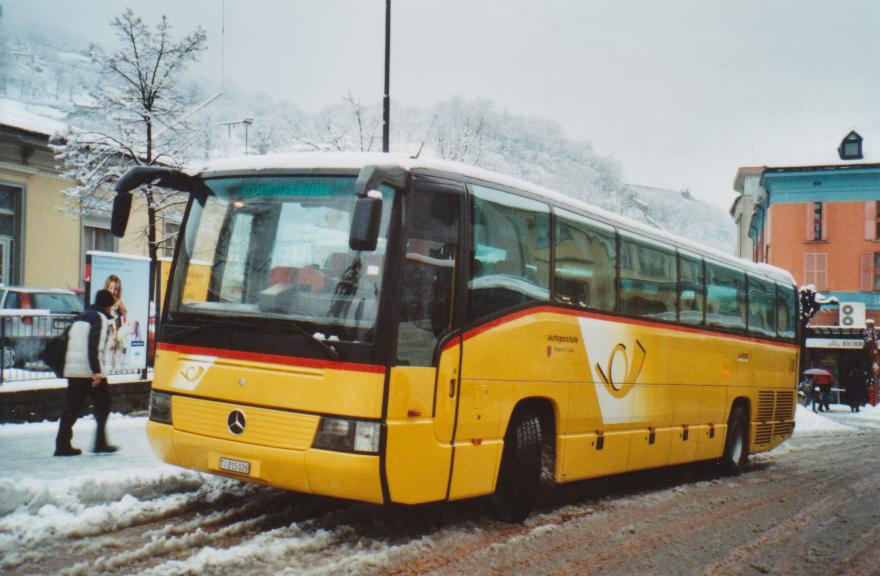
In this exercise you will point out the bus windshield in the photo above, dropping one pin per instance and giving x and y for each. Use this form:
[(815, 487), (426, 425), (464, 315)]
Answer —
[(276, 247)]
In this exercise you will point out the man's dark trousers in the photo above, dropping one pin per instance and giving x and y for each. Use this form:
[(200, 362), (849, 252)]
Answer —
[(78, 389)]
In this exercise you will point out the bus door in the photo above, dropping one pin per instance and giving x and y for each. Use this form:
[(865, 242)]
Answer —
[(426, 369)]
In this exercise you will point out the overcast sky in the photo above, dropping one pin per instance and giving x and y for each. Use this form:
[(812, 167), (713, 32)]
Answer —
[(682, 92)]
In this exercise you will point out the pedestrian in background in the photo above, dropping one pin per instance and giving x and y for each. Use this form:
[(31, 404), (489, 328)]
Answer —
[(86, 345), (806, 388), (824, 390)]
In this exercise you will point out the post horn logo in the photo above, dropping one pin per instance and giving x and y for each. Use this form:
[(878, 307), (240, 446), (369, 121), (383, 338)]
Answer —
[(618, 355), (236, 422)]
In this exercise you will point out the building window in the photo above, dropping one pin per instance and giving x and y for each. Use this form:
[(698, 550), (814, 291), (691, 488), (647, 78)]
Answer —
[(816, 230), (876, 271), (816, 270), (169, 237), (98, 238), (876, 220), (10, 234), (851, 147)]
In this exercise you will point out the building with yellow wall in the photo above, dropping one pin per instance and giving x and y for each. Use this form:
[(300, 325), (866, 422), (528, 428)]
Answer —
[(42, 242)]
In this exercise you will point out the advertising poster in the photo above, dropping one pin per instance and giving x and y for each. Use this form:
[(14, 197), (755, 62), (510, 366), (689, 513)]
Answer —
[(127, 346)]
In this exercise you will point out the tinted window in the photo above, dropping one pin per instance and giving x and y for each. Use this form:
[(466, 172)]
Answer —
[(786, 311), (585, 262), (762, 307), (510, 264), (725, 297), (691, 295), (647, 279)]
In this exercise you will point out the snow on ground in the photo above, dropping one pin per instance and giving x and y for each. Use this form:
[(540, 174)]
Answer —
[(44, 497), (809, 422)]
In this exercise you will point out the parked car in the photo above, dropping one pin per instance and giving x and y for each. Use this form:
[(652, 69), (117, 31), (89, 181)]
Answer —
[(30, 317)]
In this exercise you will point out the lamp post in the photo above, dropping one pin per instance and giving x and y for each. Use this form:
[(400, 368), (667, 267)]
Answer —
[(386, 100), (247, 122)]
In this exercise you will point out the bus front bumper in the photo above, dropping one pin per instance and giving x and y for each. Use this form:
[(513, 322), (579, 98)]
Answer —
[(322, 472)]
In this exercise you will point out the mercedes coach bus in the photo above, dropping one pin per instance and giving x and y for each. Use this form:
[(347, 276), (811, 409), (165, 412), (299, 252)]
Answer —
[(389, 329)]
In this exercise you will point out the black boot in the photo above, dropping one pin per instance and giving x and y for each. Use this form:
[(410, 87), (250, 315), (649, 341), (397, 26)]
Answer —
[(67, 450), (104, 446)]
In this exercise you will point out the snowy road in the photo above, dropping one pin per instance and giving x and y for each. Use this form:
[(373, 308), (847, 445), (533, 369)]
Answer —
[(809, 507)]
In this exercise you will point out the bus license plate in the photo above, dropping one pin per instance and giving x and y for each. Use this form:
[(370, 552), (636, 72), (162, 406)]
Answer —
[(237, 466)]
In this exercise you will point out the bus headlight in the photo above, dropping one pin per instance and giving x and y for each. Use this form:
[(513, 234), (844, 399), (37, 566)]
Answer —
[(160, 407), (347, 435)]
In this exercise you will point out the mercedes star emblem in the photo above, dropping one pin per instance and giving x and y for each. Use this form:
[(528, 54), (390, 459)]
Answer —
[(236, 422)]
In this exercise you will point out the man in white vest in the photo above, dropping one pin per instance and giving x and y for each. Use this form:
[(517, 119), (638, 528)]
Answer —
[(86, 344)]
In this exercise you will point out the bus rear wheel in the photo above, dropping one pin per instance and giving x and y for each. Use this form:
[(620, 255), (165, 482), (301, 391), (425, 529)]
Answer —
[(736, 445), (520, 474)]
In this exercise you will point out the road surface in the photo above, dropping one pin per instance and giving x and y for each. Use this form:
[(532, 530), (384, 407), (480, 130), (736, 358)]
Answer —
[(810, 507)]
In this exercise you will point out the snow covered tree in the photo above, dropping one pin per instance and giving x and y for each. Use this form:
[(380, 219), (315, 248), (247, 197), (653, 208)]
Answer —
[(140, 104)]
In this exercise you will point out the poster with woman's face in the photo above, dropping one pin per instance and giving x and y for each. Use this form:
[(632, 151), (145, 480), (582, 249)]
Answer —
[(127, 278)]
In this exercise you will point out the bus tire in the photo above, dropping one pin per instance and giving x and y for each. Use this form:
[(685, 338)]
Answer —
[(736, 445), (520, 474)]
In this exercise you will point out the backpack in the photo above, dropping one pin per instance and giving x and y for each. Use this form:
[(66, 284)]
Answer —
[(55, 352)]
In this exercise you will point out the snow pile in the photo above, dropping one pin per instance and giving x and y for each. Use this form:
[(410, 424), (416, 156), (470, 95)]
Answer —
[(43, 498), (807, 422)]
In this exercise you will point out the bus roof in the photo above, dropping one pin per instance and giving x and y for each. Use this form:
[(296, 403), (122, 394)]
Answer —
[(355, 161)]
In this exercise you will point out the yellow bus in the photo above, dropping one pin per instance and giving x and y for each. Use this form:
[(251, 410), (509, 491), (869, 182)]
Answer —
[(389, 329)]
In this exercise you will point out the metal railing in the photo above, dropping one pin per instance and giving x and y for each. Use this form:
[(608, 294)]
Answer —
[(23, 337)]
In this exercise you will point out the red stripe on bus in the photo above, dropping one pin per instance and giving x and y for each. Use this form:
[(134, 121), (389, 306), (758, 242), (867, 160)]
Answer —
[(610, 318), (273, 358)]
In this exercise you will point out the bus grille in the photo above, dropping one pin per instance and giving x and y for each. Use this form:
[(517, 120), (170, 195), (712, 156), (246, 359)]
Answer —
[(765, 406), (763, 433), (784, 406), (775, 415), (264, 426), (783, 429)]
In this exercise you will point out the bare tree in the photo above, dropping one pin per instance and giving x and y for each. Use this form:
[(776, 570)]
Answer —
[(140, 105)]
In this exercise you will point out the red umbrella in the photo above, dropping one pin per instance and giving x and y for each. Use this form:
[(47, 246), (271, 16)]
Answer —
[(818, 372), (820, 375)]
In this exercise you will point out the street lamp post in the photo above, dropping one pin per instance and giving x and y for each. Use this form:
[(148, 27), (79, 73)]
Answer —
[(247, 122)]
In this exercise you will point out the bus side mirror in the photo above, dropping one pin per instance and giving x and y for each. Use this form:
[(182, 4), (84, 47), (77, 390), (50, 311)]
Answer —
[(364, 232), (121, 211)]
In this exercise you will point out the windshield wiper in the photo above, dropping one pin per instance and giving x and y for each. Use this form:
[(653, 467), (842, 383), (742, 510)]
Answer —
[(329, 348), (212, 323)]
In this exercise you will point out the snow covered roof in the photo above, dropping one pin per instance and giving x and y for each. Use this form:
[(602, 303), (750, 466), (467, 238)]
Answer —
[(356, 161), (32, 118)]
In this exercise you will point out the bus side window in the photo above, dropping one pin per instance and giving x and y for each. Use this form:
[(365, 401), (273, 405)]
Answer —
[(691, 286), (586, 258), (508, 265), (647, 279), (786, 311), (428, 271), (762, 306), (725, 297)]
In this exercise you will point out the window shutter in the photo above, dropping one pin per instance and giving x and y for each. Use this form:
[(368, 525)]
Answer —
[(870, 220), (867, 283), (824, 221), (810, 268), (821, 271)]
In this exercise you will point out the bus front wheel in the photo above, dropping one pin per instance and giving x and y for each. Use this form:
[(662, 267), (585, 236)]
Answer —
[(520, 474), (736, 446)]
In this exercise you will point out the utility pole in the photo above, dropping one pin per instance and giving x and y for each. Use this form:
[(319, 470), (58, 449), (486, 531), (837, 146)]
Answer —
[(386, 100)]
